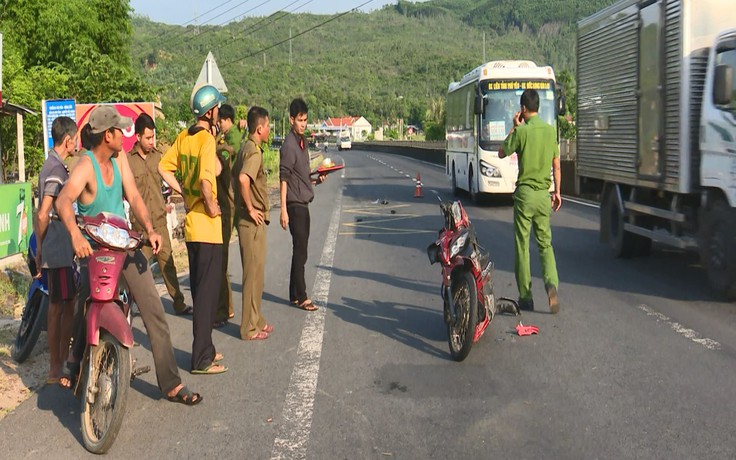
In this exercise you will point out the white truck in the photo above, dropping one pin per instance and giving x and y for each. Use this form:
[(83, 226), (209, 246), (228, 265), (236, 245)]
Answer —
[(657, 128), (480, 110)]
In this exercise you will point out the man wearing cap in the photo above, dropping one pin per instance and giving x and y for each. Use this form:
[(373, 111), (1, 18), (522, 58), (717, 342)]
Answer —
[(97, 183), (143, 159), (193, 154)]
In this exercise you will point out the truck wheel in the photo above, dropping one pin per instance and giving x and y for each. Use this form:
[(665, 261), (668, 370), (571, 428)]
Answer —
[(622, 243), (718, 249), (454, 180)]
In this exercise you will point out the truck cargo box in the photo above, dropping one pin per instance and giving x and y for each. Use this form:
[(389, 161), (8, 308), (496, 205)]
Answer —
[(641, 73)]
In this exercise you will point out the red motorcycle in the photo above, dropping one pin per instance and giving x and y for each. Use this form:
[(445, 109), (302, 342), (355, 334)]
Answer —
[(467, 281), (107, 361)]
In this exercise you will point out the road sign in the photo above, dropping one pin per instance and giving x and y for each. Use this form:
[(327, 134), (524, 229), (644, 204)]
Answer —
[(210, 75)]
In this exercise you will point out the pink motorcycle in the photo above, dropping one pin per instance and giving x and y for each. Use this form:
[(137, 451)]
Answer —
[(106, 367)]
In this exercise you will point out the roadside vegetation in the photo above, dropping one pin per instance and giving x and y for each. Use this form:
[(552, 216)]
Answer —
[(386, 65)]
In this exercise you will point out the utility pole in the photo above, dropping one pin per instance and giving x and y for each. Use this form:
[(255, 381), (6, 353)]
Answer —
[(289, 45), (196, 22), (484, 48)]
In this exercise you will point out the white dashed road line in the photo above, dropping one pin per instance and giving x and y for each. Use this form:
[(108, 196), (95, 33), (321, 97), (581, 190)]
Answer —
[(682, 330), (296, 424)]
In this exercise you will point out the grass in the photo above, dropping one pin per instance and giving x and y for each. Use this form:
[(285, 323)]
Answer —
[(7, 337), (271, 166), (13, 290)]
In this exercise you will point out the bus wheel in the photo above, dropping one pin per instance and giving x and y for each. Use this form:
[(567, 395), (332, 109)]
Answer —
[(472, 188)]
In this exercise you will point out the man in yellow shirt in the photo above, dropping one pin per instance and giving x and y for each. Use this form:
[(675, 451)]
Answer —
[(193, 155)]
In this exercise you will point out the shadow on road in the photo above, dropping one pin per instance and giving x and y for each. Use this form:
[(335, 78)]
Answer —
[(64, 406), (413, 326)]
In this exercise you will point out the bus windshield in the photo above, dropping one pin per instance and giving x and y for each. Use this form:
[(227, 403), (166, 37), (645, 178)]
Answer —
[(501, 104)]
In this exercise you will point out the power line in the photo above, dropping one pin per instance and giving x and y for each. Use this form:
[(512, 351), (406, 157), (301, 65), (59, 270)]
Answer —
[(299, 34), (182, 32), (254, 28), (192, 20)]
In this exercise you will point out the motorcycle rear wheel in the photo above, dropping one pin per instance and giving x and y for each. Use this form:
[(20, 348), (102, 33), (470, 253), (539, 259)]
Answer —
[(461, 329), (31, 325), (105, 393)]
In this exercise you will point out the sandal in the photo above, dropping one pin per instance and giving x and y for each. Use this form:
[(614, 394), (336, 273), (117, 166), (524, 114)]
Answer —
[(189, 311), (307, 306), (212, 369), (260, 336), (218, 357), (268, 328), (186, 397)]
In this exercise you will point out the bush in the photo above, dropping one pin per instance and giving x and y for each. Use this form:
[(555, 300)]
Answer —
[(434, 132)]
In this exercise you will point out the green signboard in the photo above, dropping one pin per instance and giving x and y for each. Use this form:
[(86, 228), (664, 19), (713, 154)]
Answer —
[(15, 218)]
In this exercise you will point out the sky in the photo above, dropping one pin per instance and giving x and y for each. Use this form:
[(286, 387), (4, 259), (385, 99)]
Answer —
[(216, 12)]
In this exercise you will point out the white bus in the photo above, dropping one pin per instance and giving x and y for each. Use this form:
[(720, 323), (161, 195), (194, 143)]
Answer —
[(480, 110)]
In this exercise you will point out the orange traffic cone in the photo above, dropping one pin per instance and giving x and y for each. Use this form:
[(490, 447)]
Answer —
[(418, 190)]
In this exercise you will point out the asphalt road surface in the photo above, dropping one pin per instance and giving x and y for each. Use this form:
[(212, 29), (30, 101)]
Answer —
[(640, 362)]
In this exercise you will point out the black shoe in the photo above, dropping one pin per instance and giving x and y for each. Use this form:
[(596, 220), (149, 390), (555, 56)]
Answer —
[(554, 303), (526, 304)]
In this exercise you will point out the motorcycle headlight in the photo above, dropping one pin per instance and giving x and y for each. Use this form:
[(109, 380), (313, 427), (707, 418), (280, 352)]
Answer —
[(458, 245), (109, 235), (488, 170)]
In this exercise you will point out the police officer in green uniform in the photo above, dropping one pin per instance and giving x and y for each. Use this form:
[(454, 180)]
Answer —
[(228, 145), (535, 143)]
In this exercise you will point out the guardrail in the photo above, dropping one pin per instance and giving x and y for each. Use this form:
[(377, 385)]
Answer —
[(434, 152)]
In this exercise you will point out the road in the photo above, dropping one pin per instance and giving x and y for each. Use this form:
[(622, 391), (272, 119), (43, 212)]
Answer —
[(638, 364)]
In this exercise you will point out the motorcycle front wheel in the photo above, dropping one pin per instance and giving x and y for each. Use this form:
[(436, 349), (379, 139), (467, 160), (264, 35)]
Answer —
[(31, 325), (461, 328), (105, 393)]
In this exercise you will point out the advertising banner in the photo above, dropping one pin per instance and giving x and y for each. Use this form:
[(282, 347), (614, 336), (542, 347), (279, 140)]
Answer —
[(15, 218), (126, 109), (51, 110)]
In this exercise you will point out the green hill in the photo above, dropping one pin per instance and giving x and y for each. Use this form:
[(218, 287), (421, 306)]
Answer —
[(394, 62)]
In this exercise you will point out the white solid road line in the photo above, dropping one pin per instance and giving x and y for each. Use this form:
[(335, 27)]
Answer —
[(296, 419)]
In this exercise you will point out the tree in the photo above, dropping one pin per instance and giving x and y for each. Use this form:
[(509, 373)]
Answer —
[(72, 49)]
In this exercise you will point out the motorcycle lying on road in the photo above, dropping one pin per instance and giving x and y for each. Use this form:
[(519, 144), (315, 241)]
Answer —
[(107, 367), (467, 281), (33, 320)]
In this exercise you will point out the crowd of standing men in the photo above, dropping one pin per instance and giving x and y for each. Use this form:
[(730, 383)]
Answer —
[(221, 177)]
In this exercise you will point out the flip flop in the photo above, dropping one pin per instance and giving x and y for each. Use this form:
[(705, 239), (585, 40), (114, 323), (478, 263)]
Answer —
[(186, 397), (68, 384), (307, 306), (189, 311), (52, 380), (212, 369), (218, 357)]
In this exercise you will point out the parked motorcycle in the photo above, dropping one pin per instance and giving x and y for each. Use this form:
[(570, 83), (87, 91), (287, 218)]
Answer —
[(467, 281), (35, 311), (107, 366)]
